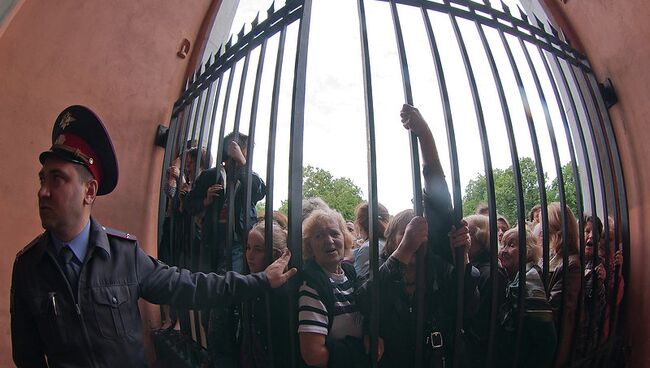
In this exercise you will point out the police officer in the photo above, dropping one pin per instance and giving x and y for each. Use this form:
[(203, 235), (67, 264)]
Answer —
[(75, 288)]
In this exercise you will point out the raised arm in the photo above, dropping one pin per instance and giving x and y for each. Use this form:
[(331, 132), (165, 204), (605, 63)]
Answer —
[(412, 120), (437, 200)]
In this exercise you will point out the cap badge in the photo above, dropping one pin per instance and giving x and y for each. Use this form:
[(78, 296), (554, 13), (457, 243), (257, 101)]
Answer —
[(60, 139), (66, 120)]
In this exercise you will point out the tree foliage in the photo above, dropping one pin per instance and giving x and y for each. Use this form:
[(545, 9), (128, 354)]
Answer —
[(504, 190), (340, 194), (569, 189)]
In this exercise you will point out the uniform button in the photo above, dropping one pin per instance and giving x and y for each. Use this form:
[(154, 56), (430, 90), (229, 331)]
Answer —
[(114, 300)]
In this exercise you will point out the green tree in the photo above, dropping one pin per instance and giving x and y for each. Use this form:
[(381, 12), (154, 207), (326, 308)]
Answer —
[(340, 194), (504, 190), (569, 189)]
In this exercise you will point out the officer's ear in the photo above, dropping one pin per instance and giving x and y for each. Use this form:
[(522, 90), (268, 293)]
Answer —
[(91, 191)]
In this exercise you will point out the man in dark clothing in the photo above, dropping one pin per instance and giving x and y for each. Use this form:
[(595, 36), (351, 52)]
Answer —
[(75, 288), (220, 190)]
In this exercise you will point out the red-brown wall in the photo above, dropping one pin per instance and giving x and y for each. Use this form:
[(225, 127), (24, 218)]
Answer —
[(119, 58), (614, 35)]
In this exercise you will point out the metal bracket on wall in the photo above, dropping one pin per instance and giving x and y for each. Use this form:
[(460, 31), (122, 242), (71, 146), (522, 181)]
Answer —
[(608, 92), (162, 132)]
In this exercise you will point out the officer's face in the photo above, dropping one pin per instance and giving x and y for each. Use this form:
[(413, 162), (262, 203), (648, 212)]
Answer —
[(327, 244), (63, 198)]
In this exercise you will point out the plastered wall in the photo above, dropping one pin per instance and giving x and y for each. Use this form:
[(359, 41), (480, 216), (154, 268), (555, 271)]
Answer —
[(119, 58)]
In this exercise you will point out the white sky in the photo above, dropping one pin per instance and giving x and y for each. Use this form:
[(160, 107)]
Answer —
[(335, 135)]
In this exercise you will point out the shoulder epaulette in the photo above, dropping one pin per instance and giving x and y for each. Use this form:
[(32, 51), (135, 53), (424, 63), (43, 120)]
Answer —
[(30, 245), (119, 234)]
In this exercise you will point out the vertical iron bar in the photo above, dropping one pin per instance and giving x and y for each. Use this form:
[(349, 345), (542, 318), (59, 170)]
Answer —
[(446, 108), (199, 143), (270, 168), (417, 189), (268, 228), (296, 161), (559, 173), (487, 161), (176, 149), (621, 226), (574, 162), (604, 158), (181, 158), (213, 119), (184, 146), (224, 114), (197, 313), (230, 231), (197, 170), (516, 170), (603, 187), (589, 179), (162, 198), (372, 187)]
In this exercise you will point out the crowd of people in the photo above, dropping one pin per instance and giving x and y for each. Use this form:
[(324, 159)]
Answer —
[(81, 308), (334, 288)]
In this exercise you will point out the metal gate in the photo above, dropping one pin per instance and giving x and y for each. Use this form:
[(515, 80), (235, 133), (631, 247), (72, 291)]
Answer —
[(519, 77)]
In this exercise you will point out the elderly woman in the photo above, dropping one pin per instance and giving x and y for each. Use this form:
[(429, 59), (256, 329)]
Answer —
[(362, 225), (255, 352), (329, 321), (564, 286), (538, 330)]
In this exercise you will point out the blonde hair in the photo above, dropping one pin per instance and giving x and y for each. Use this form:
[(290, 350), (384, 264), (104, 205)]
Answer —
[(479, 229), (279, 235), (555, 241), (316, 217), (533, 251), (397, 223)]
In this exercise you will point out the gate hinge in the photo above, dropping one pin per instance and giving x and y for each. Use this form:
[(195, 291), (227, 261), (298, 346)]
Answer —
[(608, 92)]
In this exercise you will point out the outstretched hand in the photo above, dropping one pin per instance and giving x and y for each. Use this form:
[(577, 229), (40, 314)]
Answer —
[(413, 120), (275, 271)]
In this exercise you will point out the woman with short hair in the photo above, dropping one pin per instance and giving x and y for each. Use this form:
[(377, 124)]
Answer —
[(329, 320)]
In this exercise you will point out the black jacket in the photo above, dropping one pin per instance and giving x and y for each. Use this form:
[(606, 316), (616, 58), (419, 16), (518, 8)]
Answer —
[(255, 330), (104, 328), (210, 233), (398, 312)]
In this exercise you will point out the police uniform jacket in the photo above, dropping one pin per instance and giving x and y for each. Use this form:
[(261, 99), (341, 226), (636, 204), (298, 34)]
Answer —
[(101, 326)]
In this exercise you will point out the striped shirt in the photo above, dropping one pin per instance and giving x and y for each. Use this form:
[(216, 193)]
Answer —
[(313, 316)]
